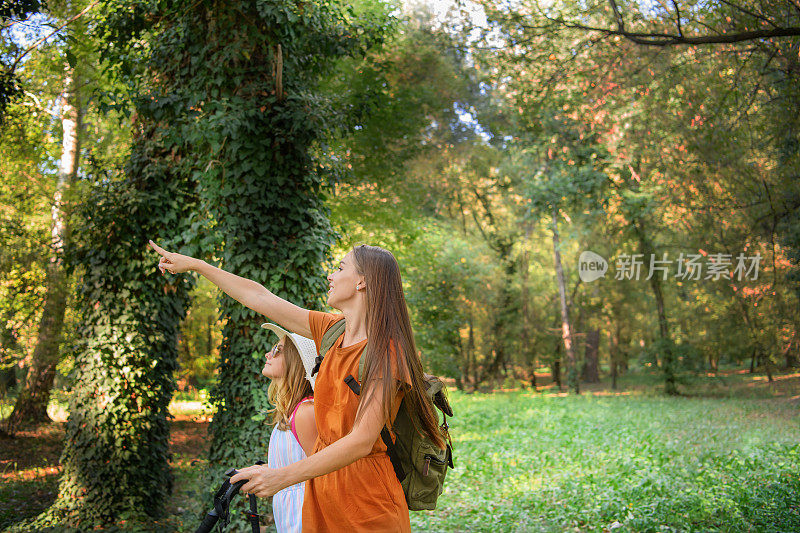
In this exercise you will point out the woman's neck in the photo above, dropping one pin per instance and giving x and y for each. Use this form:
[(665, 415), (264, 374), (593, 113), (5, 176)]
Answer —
[(355, 329)]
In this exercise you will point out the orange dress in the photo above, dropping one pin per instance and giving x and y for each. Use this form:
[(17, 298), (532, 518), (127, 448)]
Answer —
[(365, 495)]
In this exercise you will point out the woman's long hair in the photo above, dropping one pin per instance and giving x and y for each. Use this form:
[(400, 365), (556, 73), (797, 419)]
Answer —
[(387, 320), (286, 392)]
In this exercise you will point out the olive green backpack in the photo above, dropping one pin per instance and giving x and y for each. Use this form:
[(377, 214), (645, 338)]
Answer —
[(419, 464)]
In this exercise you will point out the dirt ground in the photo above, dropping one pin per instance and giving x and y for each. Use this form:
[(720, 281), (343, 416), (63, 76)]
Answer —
[(29, 464)]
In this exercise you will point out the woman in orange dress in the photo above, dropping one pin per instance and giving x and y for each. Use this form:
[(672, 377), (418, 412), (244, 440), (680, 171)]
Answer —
[(351, 485)]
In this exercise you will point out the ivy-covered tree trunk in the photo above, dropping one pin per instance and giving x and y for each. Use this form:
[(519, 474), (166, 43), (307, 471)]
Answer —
[(263, 189), (252, 71), (115, 458)]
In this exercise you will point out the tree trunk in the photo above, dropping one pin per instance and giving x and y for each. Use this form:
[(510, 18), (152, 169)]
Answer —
[(613, 372), (566, 333), (503, 315), (578, 337), (476, 375), (556, 369), (591, 369), (768, 367), (527, 350), (668, 357), (463, 366), (613, 350), (31, 405), (791, 353)]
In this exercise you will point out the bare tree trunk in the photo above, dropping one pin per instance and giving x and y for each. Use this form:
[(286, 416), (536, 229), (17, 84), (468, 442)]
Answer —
[(591, 370), (613, 350), (527, 351), (668, 357), (463, 366), (768, 367), (556, 369), (566, 333), (790, 355), (476, 375), (31, 405), (712, 363)]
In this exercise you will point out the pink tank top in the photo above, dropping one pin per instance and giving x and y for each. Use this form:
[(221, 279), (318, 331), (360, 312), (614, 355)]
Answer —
[(291, 418)]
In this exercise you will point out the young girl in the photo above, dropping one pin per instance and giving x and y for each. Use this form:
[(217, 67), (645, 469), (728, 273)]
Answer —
[(351, 483), (289, 365)]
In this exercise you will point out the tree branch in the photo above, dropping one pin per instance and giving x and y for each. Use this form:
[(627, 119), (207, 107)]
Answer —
[(666, 39), (678, 17), (58, 29), (748, 12), (617, 15)]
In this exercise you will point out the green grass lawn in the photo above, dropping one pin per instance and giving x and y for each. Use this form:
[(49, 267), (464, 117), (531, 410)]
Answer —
[(526, 461), (529, 462)]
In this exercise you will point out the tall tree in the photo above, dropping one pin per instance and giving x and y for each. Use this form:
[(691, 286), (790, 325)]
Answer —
[(31, 404), (563, 171), (256, 133)]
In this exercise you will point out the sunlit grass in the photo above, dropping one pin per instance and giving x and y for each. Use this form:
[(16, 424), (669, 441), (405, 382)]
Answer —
[(528, 462), (625, 460)]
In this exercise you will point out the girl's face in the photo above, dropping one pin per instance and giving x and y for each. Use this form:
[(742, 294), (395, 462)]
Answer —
[(275, 366), (342, 282)]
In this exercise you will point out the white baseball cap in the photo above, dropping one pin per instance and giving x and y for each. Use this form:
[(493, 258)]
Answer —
[(305, 347)]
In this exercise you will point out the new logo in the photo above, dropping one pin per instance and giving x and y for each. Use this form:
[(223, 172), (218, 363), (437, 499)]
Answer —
[(591, 266)]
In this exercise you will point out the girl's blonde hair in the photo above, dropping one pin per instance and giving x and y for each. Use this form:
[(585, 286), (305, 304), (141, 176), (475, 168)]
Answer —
[(285, 393)]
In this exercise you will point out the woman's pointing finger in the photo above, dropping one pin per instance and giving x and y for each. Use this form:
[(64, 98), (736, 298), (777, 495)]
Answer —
[(158, 249)]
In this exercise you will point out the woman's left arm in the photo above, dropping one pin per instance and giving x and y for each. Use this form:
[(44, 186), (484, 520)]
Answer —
[(265, 482)]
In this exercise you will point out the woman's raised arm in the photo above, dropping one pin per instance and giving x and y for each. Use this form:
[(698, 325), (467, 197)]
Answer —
[(248, 292)]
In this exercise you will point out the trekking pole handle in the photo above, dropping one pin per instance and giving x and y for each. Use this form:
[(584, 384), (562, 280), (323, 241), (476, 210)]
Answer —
[(208, 522)]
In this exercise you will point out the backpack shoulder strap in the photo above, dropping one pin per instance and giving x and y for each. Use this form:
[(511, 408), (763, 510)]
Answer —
[(391, 451), (328, 338), (361, 368)]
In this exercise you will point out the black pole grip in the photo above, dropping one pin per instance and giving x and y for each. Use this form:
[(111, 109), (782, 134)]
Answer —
[(208, 523)]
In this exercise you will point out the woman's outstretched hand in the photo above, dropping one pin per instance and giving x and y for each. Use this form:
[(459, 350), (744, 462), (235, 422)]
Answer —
[(263, 481), (173, 262)]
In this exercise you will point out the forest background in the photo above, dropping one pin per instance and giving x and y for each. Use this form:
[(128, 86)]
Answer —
[(504, 152)]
